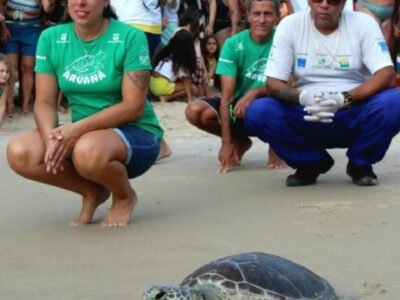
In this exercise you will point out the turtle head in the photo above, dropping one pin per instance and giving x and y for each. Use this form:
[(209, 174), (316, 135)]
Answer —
[(164, 292)]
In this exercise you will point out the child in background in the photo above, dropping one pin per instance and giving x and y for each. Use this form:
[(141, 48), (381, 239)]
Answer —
[(7, 85), (190, 21), (210, 54), (174, 65)]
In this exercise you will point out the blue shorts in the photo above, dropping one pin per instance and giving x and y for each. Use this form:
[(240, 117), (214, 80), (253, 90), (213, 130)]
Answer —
[(24, 36), (142, 149)]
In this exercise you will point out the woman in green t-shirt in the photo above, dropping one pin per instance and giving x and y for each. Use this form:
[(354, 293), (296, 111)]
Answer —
[(103, 68)]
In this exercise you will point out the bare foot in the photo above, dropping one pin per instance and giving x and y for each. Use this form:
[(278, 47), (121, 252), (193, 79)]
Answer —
[(242, 146), (165, 150), (89, 206), (274, 161), (121, 211)]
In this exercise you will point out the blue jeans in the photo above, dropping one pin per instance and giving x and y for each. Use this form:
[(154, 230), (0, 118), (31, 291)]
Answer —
[(366, 129), (142, 149)]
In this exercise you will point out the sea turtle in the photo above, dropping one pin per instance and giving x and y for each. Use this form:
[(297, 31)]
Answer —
[(247, 276)]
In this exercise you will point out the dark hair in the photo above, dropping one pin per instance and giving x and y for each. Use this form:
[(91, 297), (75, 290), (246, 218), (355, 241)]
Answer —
[(277, 5), (204, 48), (191, 17), (180, 50)]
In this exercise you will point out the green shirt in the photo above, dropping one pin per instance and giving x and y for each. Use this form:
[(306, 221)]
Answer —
[(246, 60), (90, 73)]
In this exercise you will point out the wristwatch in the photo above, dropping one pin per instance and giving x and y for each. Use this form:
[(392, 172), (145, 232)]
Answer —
[(348, 100)]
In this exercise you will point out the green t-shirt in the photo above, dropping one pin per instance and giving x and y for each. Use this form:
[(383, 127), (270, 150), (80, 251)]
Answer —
[(90, 73), (245, 60)]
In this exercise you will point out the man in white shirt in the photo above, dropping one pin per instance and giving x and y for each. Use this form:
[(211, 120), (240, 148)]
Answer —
[(344, 95)]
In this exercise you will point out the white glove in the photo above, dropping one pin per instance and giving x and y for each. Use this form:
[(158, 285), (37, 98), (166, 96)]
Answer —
[(332, 102), (326, 108), (318, 115), (311, 101), (310, 98)]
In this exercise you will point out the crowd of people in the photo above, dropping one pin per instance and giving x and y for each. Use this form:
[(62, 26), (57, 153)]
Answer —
[(302, 82)]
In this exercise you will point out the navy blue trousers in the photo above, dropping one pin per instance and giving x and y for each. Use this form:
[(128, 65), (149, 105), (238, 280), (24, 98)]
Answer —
[(366, 129)]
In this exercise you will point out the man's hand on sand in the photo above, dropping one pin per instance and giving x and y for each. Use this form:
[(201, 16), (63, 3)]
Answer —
[(228, 158)]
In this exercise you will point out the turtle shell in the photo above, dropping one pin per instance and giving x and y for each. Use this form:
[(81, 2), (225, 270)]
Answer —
[(261, 276)]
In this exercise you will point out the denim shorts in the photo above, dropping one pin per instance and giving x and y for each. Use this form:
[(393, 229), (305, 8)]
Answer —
[(24, 37), (142, 149)]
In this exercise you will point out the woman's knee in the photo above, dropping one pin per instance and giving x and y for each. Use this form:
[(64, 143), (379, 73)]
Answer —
[(20, 155), (90, 154), (86, 154)]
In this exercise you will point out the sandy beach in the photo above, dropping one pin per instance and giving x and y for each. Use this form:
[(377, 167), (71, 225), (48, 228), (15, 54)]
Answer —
[(188, 215)]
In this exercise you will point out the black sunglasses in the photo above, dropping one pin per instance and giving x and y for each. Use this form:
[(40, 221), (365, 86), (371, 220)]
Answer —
[(330, 2)]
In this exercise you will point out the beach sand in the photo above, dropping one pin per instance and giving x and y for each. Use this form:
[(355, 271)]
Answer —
[(188, 215)]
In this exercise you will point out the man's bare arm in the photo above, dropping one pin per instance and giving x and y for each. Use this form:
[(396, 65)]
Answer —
[(282, 90)]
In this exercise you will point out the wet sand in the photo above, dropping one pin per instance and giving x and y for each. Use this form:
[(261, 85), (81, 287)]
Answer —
[(188, 215)]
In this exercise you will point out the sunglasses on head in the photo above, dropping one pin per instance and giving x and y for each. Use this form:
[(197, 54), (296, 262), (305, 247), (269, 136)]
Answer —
[(330, 2)]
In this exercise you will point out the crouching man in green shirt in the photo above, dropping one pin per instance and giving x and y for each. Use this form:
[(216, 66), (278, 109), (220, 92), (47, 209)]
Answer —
[(241, 66)]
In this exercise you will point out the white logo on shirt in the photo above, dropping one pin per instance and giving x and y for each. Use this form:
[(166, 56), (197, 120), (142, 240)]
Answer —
[(63, 38), (87, 69), (115, 39), (239, 47), (257, 71), (144, 55)]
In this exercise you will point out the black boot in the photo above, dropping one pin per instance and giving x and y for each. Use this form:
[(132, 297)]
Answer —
[(307, 175), (361, 175)]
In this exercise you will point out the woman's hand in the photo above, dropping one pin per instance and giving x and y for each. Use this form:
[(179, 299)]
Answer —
[(61, 142)]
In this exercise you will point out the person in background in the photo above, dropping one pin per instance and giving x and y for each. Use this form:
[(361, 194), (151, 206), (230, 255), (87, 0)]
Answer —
[(225, 18), (241, 66), (343, 95), (382, 11), (144, 15), (103, 67), (189, 21), (19, 35), (174, 65), (7, 84), (210, 50), (170, 19), (57, 16)]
